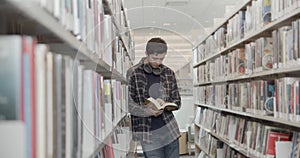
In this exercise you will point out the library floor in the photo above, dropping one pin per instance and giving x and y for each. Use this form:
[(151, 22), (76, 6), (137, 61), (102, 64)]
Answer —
[(140, 152), (181, 156), (140, 155), (187, 156)]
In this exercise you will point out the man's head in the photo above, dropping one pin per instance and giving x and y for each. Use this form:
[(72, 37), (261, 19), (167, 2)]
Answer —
[(156, 50)]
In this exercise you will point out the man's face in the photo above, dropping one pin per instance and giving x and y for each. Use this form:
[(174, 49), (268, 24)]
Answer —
[(156, 59)]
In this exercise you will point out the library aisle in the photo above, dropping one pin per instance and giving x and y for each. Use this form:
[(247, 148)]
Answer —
[(64, 91)]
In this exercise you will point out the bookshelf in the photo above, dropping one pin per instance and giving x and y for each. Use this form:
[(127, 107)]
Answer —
[(65, 63), (245, 78)]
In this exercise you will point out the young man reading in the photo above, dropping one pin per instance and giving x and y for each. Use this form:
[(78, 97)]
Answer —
[(157, 130)]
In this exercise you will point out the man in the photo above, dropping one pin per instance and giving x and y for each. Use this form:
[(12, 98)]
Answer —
[(157, 131)]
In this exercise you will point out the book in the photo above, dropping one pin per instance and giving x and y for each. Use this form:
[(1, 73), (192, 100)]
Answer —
[(168, 106), (40, 76), (13, 130), (11, 105), (266, 12), (274, 135)]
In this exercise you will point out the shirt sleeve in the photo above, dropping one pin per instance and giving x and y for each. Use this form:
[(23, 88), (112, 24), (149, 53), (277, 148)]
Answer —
[(175, 92), (134, 108)]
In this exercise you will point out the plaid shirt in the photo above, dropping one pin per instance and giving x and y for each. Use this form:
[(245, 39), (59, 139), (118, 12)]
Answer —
[(137, 94)]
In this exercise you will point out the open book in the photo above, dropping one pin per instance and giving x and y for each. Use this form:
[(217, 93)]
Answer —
[(168, 106)]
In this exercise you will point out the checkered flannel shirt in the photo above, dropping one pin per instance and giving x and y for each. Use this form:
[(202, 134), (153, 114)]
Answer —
[(137, 94)]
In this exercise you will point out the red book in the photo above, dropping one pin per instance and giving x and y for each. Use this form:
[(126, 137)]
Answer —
[(110, 152), (33, 94), (22, 112), (274, 136), (28, 93)]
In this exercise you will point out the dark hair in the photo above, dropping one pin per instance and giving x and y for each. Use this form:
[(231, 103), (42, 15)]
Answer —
[(156, 45)]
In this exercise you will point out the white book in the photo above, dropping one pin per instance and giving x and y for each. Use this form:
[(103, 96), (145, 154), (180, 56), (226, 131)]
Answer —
[(122, 140), (97, 108), (49, 108), (283, 148), (57, 8), (69, 14), (83, 17), (10, 78), (79, 107), (108, 113), (40, 69), (76, 22), (69, 106), (89, 26), (232, 128), (116, 150), (107, 33), (221, 153), (63, 16), (49, 5), (100, 27), (114, 101), (197, 115), (43, 3), (13, 132), (88, 145)]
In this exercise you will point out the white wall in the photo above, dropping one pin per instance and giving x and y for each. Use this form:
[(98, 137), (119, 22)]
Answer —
[(185, 115)]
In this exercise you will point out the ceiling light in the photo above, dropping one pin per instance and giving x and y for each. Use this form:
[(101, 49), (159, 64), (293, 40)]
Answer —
[(176, 2)]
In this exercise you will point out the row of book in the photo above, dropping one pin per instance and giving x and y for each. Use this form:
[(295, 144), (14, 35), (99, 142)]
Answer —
[(266, 53), (212, 147), (87, 21), (253, 137), (185, 86), (67, 110), (257, 15), (117, 145), (121, 61), (82, 17), (278, 98)]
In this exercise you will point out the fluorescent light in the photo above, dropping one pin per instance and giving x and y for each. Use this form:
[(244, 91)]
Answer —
[(176, 2)]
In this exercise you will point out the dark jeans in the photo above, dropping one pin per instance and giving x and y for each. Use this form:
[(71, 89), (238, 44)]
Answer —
[(163, 146)]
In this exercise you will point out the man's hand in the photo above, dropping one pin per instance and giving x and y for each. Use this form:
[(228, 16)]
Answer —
[(151, 112)]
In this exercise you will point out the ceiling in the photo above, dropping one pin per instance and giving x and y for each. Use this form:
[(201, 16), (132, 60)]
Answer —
[(182, 23)]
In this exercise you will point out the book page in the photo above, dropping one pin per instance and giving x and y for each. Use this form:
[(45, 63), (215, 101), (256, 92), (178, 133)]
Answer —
[(169, 106)]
